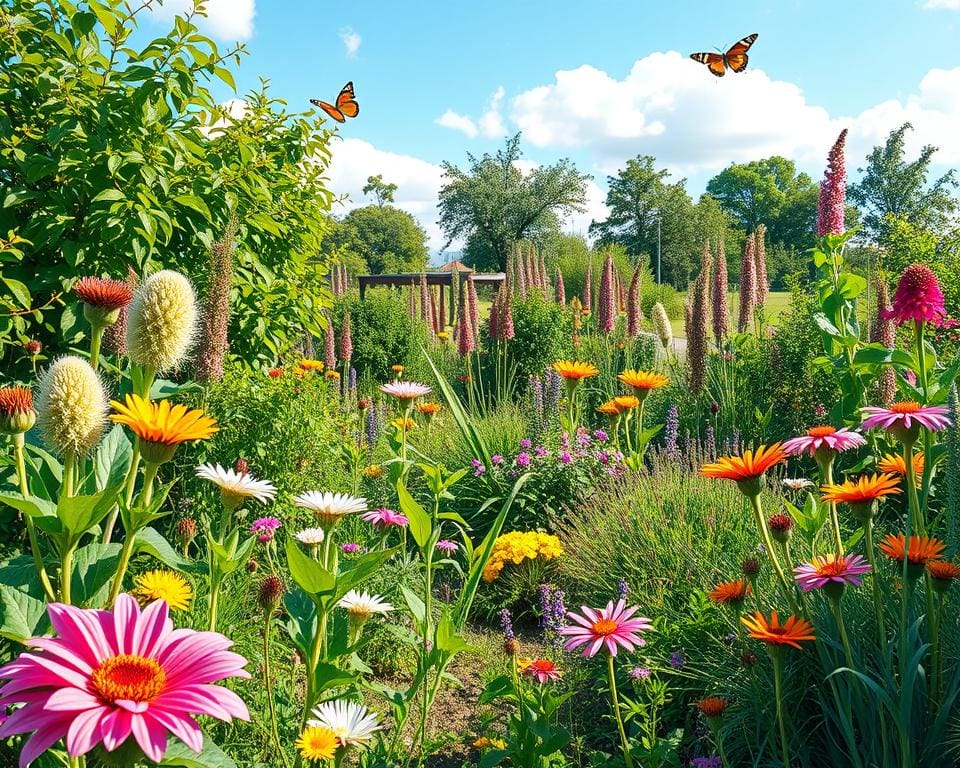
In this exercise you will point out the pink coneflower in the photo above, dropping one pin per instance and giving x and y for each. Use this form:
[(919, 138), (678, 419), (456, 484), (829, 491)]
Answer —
[(605, 627), (384, 518), (833, 191), (831, 569), (405, 390), (346, 340), (448, 547), (264, 528), (918, 297), (827, 438), (541, 670), (634, 312), (606, 307), (721, 315), (108, 675), (906, 416), (329, 349), (560, 293)]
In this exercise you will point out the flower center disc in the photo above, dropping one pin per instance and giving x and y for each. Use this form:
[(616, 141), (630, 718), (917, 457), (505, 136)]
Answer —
[(128, 678), (820, 431), (831, 567), (604, 627), (909, 406)]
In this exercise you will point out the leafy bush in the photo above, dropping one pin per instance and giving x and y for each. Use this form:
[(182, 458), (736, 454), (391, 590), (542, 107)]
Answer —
[(543, 334)]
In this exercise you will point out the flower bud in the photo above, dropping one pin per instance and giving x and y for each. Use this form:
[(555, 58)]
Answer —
[(17, 414), (781, 528), (72, 406), (161, 321), (270, 593)]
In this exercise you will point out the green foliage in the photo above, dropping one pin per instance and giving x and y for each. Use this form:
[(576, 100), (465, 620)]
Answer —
[(381, 190), (906, 242), (113, 152), (543, 334), (495, 205), (386, 239)]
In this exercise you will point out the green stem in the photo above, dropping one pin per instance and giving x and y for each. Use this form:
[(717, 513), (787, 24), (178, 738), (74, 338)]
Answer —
[(96, 338), (771, 552), (69, 473), (269, 689), (18, 443), (214, 604), (778, 694), (125, 554), (427, 632), (616, 712), (842, 629), (877, 597), (826, 471), (913, 502), (66, 573)]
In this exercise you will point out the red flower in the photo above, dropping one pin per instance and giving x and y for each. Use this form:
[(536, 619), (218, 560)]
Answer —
[(103, 292), (918, 297)]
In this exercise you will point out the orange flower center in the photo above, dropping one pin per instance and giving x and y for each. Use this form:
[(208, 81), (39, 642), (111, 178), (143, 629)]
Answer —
[(909, 406), (831, 567), (128, 678), (821, 431), (604, 627)]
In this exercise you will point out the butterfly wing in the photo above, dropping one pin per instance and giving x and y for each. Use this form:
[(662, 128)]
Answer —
[(736, 57), (331, 110), (714, 62), (347, 102)]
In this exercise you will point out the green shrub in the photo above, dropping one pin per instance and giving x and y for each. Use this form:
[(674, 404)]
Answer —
[(543, 334)]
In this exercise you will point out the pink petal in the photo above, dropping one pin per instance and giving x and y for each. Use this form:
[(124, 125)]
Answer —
[(150, 735), (71, 700), (84, 732), (45, 737), (115, 728)]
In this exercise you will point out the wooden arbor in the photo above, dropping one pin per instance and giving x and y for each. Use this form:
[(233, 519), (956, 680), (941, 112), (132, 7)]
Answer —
[(443, 279)]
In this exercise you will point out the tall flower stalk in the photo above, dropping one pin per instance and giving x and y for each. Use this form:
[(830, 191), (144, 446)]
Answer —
[(721, 314), (748, 286)]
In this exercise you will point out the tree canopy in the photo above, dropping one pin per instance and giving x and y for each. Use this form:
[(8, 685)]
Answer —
[(493, 204), (381, 238)]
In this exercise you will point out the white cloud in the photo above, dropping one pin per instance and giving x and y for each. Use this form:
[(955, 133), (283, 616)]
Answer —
[(950, 5), (596, 210), (490, 124), (225, 19), (351, 41), (418, 182)]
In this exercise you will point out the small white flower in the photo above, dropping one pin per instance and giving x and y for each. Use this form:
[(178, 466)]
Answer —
[(237, 485), (796, 483), (406, 390), (310, 536), (351, 722), (330, 507), (362, 605)]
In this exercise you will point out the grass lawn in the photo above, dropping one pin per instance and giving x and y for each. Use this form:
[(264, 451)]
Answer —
[(777, 302)]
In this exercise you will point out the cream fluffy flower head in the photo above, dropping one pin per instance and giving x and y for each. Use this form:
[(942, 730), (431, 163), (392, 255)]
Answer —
[(661, 324), (162, 319), (72, 406)]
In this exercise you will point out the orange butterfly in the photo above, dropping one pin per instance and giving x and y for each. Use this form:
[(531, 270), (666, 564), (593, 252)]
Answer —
[(346, 104), (736, 58)]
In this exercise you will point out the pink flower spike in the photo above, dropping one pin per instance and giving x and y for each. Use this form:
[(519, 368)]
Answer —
[(110, 675), (831, 569), (918, 298), (838, 440), (906, 415), (609, 628), (384, 518)]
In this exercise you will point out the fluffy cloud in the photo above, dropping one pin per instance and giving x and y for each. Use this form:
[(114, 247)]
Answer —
[(490, 124), (950, 5), (225, 19), (351, 41)]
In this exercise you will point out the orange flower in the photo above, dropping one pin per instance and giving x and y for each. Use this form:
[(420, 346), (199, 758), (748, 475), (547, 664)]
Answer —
[(574, 370), (402, 424), (713, 706), (921, 551), (626, 402), (792, 632), (731, 592), (864, 490), (609, 408), (643, 380), (894, 464), (310, 365), (747, 467), (429, 409), (942, 574), (332, 375)]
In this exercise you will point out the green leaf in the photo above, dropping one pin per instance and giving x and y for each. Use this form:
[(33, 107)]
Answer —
[(34, 506), (301, 624), (23, 615), (112, 459), (420, 524), (354, 572), (329, 676), (417, 608), (109, 196), (312, 577), (93, 567), (151, 542), (194, 203), (78, 514), (179, 754), (20, 291)]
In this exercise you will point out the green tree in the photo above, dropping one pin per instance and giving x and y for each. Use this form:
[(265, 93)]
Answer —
[(382, 191), (113, 153), (492, 204), (893, 186), (385, 238)]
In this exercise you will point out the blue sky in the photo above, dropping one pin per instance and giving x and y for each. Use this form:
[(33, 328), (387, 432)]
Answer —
[(597, 82)]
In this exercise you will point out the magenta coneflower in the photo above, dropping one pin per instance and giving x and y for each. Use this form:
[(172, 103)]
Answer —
[(264, 528), (608, 627), (904, 419), (918, 297), (110, 675), (634, 312), (833, 191), (826, 438), (560, 293), (606, 307), (384, 518), (831, 569), (541, 670), (405, 390)]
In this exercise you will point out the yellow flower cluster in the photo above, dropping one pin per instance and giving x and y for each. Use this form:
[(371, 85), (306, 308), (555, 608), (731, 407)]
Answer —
[(517, 546), (484, 743)]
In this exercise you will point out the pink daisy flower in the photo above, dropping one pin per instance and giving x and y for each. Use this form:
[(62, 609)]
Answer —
[(611, 627), (830, 569), (541, 670), (112, 674), (447, 546), (406, 390), (906, 415), (838, 440), (918, 297), (383, 518)]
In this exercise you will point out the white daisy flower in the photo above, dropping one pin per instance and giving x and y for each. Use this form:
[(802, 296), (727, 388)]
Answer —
[(796, 483), (237, 486), (406, 390), (362, 605), (310, 536), (351, 722), (330, 507)]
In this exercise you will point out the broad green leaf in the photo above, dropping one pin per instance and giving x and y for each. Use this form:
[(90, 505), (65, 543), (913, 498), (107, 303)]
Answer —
[(355, 572), (312, 577), (301, 624), (420, 524), (79, 514), (23, 616), (179, 754), (109, 195), (329, 676), (194, 203), (151, 542), (34, 506), (94, 566), (20, 291), (112, 459)]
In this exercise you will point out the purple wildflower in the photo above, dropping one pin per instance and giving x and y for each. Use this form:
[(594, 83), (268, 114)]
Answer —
[(640, 673), (506, 624), (526, 443), (350, 548), (676, 660), (478, 467), (623, 589), (496, 459), (600, 435), (565, 457), (523, 459), (447, 546), (540, 452), (671, 432)]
